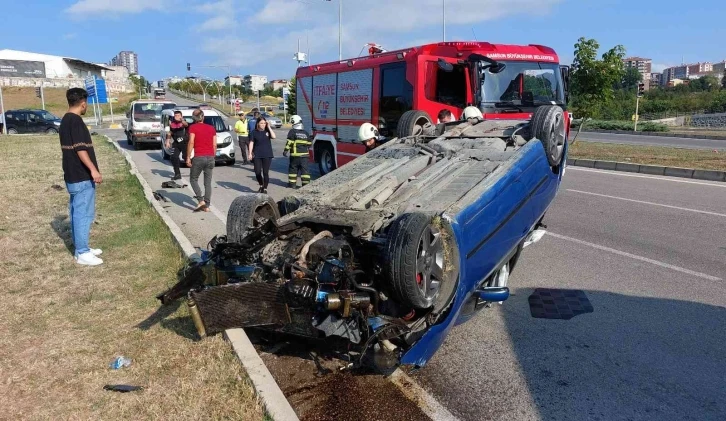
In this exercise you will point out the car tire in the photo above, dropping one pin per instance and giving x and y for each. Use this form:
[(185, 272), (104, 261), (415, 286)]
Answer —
[(135, 144), (417, 265), (548, 125), (128, 138), (51, 131), (230, 162), (12, 131), (412, 123), (247, 212), (326, 158)]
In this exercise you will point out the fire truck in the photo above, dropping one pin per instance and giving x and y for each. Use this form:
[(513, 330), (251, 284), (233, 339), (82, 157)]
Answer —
[(404, 90)]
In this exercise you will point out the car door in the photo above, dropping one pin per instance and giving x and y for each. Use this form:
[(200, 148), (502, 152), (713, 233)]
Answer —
[(21, 122), (34, 123)]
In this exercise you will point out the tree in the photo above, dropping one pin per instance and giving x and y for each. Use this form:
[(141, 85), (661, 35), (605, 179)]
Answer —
[(593, 79), (723, 81), (631, 78), (291, 101)]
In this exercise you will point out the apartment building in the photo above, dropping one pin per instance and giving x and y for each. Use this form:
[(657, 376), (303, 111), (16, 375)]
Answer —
[(254, 82), (127, 59), (277, 84), (234, 80)]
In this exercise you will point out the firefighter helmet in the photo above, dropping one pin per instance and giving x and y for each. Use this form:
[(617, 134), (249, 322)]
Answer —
[(296, 119), (367, 131), (471, 112)]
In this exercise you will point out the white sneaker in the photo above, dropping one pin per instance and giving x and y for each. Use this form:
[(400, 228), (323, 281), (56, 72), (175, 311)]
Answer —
[(96, 252), (88, 259)]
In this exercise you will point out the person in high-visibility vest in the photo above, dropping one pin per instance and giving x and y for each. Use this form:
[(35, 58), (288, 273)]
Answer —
[(298, 145), (240, 127)]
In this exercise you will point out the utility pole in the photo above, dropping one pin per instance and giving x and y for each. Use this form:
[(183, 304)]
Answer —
[(443, 7), (638, 94), (2, 110), (340, 30)]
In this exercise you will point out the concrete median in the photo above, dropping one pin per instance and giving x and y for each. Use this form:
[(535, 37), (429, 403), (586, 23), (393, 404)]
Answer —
[(710, 175)]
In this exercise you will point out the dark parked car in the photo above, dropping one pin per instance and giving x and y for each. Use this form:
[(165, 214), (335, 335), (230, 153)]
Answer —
[(31, 121)]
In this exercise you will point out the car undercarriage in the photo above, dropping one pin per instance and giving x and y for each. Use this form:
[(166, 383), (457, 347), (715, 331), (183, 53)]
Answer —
[(365, 258)]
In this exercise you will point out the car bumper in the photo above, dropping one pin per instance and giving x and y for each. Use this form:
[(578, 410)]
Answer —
[(147, 137)]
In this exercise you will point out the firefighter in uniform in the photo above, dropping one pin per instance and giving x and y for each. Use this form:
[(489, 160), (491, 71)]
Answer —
[(368, 135), (298, 145)]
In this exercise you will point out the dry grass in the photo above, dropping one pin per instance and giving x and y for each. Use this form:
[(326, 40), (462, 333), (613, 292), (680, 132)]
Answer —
[(702, 132), (55, 100), (62, 324), (653, 155)]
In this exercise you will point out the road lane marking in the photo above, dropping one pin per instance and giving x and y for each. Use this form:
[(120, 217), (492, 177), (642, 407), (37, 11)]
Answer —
[(647, 203), (427, 403), (636, 257), (621, 174)]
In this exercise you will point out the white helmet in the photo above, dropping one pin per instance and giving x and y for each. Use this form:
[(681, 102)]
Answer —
[(471, 112), (296, 119), (367, 131)]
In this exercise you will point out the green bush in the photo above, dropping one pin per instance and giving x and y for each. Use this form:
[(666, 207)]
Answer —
[(620, 125)]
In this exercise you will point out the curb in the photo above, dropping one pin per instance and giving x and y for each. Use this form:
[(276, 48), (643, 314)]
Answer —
[(657, 134), (266, 387), (709, 175)]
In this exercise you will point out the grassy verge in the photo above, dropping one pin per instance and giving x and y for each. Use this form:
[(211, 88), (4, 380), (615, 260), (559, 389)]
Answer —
[(621, 125), (62, 324), (651, 155), (55, 100), (698, 131)]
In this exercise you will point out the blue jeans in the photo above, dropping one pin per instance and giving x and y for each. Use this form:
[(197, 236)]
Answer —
[(82, 209)]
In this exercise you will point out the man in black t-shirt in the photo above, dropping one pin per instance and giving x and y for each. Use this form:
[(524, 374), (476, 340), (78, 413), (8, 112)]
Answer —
[(80, 171), (177, 138)]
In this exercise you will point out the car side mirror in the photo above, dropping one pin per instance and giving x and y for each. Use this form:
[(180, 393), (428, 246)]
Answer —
[(445, 65), (229, 127)]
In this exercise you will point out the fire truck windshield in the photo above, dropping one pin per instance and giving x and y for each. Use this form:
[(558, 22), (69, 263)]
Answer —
[(523, 83)]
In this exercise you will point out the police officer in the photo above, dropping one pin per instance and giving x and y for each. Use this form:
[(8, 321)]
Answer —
[(176, 139), (242, 130), (298, 145)]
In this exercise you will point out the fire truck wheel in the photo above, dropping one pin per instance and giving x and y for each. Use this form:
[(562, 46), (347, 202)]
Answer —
[(548, 125), (326, 157), (413, 123), (247, 212)]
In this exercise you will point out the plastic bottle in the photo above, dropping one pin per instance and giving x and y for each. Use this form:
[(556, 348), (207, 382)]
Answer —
[(120, 362)]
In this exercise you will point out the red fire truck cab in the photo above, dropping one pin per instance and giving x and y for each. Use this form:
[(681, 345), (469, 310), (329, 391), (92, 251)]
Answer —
[(504, 81)]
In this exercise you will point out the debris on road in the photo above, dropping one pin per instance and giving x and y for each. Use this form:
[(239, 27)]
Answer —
[(123, 388), (120, 362)]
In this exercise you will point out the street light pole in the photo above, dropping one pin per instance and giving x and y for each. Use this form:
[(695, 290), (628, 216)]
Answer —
[(340, 29), (443, 7)]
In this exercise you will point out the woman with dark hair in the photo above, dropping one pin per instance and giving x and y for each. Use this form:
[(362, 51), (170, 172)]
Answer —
[(260, 152)]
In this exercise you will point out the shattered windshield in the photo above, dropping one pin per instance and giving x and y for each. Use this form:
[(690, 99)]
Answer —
[(522, 83)]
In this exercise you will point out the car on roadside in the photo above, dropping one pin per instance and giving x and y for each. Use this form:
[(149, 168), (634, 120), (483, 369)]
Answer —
[(383, 257), (225, 144), (31, 121), (274, 122), (143, 125)]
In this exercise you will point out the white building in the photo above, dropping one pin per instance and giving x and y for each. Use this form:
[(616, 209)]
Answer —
[(129, 60), (277, 84), (234, 80), (47, 66), (255, 82)]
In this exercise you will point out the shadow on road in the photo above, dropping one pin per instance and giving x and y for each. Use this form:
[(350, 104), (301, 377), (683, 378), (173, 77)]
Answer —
[(228, 185), (156, 156), (163, 173), (633, 358), (62, 227), (180, 199)]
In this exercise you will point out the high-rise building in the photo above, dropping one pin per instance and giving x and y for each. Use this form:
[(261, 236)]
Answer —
[(643, 65), (127, 59)]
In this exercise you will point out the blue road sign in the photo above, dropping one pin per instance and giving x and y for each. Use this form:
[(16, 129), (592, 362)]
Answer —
[(96, 88)]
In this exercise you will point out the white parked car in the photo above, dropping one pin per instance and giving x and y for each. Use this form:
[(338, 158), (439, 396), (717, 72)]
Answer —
[(225, 143)]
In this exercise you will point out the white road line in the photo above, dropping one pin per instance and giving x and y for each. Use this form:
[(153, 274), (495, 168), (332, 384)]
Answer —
[(636, 257), (427, 403), (652, 177), (647, 203)]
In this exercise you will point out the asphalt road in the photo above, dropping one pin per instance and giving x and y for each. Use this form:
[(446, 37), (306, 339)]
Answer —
[(650, 254), (633, 139)]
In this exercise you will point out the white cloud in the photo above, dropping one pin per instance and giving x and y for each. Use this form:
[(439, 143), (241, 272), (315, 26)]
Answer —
[(217, 23), (658, 67), (283, 11), (69, 36), (88, 7)]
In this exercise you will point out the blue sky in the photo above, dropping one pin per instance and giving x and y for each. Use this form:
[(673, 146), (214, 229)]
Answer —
[(260, 37)]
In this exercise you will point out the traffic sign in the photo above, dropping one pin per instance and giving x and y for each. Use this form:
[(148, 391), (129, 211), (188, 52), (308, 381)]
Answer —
[(96, 88)]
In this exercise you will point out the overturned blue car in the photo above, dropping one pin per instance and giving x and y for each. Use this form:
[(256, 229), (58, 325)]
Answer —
[(383, 256)]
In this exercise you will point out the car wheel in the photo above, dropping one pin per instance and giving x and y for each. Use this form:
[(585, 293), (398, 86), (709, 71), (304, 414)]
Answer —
[(51, 131), (419, 266), (135, 144), (326, 160), (548, 125), (247, 212), (413, 123), (12, 131), (231, 162), (128, 138)]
